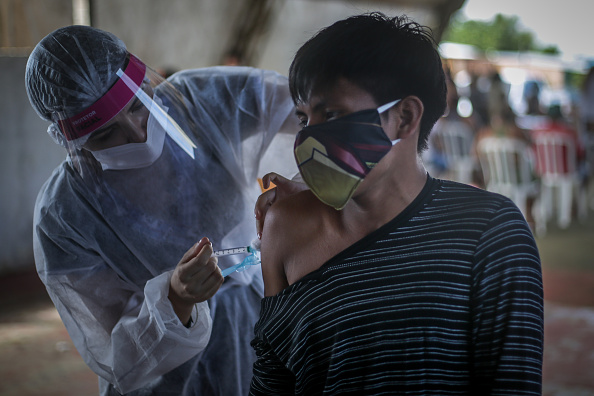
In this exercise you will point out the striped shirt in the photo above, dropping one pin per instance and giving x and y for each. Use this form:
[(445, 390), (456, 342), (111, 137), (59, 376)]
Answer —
[(446, 299)]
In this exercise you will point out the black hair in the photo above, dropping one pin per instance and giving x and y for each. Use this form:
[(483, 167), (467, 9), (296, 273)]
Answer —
[(391, 58)]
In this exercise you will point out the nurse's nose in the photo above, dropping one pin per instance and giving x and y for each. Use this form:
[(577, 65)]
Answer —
[(135, 129)]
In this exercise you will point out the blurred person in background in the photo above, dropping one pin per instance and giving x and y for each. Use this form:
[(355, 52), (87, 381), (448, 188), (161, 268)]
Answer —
[(531, 97), (497, 100), (586, 123), (381, 279), (502, 124), (556, 123), (450, 143), (152, 166), (560, 160), (478, 98), (587, 103)]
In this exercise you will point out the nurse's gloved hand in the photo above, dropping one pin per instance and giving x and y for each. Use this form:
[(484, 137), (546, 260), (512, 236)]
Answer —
[(195, 279), (284, 188)]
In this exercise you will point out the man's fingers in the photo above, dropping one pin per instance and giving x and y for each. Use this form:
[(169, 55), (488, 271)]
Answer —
[(284, 187), (266, 179), (263, 202), (275, 178), (259, 227)]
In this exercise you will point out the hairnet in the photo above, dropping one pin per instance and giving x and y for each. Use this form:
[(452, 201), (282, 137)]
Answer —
[(63, 78)]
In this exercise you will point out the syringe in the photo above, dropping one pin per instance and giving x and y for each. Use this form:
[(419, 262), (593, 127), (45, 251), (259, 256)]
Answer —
[(230, 251), (252, 248), (252, 259)]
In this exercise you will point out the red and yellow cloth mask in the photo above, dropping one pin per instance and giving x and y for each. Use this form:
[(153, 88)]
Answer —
[(335, 156)]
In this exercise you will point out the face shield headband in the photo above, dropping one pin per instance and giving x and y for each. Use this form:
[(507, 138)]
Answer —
[(77, 129), (79, 126), (335, 156)]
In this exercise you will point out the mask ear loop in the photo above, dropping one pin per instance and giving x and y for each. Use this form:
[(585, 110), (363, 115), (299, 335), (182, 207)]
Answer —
[(168, 123), (385, 107)]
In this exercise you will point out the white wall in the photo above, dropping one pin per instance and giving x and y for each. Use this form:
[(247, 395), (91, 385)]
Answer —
[(182, 34), (27, 157), (189, 33), (300, 20)]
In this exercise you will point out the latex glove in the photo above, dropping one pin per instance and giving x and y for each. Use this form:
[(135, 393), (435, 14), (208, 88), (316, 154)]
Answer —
[(196, 278), (284, 187)]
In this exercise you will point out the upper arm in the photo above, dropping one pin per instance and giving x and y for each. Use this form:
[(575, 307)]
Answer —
[(275, 247), (507, 311)]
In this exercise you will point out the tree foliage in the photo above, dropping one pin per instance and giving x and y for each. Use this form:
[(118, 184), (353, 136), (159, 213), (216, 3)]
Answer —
[(502, 33)]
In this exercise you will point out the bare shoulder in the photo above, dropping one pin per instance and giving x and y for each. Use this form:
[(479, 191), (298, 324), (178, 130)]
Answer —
[(288, 226)]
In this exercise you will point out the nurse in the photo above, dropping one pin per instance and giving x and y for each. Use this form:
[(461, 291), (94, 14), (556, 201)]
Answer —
[(152, 167)]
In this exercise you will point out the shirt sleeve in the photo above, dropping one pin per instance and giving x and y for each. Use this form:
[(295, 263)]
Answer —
[(271, 377), (127, 336), (507, 308)]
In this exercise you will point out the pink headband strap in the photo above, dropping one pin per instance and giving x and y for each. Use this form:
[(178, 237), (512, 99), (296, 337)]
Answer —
[(107, 107)]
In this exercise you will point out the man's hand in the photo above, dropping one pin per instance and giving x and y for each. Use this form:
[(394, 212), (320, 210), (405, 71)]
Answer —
[(284, 187), (195, 279)]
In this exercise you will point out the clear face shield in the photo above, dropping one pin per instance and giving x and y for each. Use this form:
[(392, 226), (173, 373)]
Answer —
[(126, 128), (152, 174)]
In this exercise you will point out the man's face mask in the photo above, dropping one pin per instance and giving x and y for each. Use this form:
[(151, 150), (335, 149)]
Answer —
[(335, 156)]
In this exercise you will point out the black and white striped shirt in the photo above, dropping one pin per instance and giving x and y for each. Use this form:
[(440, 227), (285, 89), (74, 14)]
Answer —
[(446, 299)]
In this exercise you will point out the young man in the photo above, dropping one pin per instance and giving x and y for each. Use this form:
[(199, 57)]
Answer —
[(381, 279), (153, 165)]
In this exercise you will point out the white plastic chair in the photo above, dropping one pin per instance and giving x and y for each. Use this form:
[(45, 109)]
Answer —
[(455, 139), (556, 164), (507, 166)]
